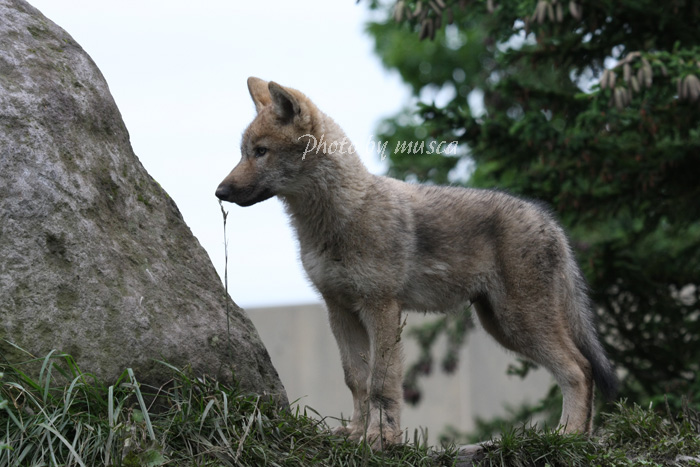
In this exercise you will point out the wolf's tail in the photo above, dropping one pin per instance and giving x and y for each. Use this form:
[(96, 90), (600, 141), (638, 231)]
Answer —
[(583, 322)]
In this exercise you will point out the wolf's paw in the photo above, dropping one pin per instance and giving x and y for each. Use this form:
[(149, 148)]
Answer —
[(342, 430), (382, 437), (348, 431)]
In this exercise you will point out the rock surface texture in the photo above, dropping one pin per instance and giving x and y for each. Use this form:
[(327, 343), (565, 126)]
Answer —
[(95, 258)]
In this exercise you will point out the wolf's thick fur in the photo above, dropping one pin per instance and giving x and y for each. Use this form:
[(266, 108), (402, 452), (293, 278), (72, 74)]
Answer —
[(374, 246)]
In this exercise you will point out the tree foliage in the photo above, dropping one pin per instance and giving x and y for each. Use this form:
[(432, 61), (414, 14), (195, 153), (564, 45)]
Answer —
[(594, 107)]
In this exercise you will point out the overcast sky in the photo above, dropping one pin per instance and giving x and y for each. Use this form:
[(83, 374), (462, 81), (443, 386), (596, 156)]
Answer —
[(178, 71)]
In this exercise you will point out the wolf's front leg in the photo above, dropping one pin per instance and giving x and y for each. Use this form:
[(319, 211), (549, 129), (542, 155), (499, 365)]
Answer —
[(383, 324), (353, 343)]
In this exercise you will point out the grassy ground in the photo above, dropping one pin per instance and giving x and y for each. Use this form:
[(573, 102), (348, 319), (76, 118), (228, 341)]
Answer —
[(66, 417)]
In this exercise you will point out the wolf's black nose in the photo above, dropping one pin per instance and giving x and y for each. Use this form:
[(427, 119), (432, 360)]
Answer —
[(223, 192)]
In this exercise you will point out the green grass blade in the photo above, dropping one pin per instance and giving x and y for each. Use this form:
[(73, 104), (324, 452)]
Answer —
[(18, 424), (251, 419), (142, 404), (68, 400), (110, 407), (223, 393), (46, 368), (168, 365), (204, 414), (65, 442)]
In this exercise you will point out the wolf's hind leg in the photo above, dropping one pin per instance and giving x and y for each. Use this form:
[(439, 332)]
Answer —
[(546, 339), (573, 373)]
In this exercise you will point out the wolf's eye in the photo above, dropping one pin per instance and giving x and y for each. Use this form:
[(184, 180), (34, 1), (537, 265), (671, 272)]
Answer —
[(260, 151)]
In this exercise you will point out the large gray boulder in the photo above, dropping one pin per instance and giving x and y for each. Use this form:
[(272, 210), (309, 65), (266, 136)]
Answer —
[(95, 258)]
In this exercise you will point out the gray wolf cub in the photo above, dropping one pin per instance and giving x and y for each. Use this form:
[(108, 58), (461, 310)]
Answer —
[(375, 246)]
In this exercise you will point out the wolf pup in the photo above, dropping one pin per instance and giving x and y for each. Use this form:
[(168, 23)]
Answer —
[(375, 246)]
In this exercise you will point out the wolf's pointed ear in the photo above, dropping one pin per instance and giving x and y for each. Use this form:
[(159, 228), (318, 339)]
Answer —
[(286, 104), (259, 92)]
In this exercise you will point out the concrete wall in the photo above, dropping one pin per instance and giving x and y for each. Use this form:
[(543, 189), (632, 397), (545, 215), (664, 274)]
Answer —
[(306, 356)]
